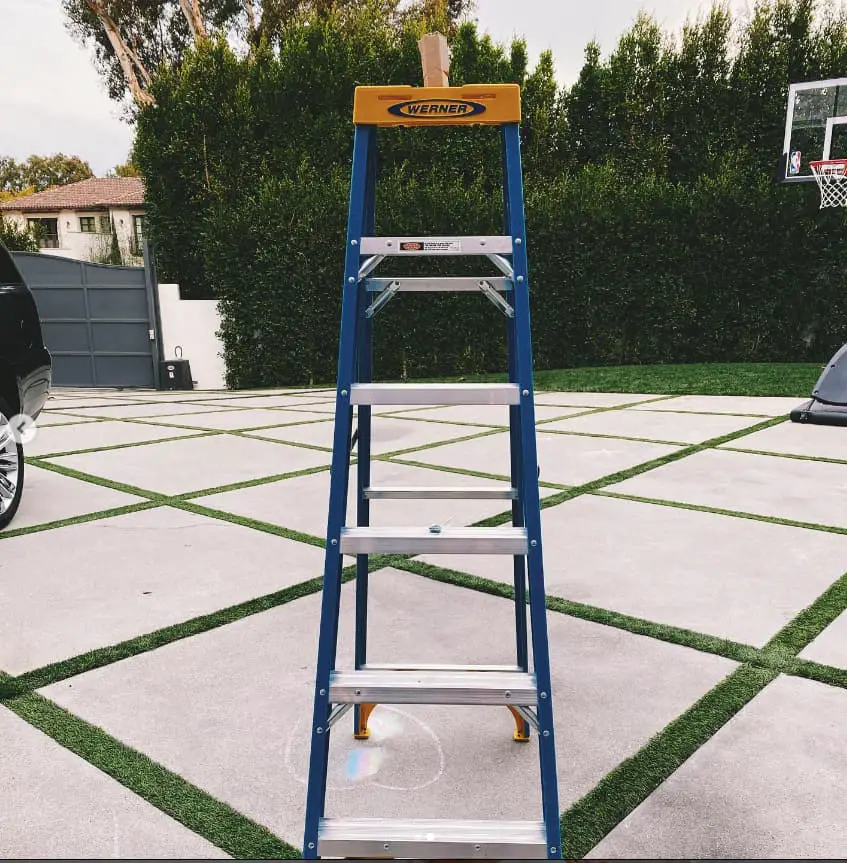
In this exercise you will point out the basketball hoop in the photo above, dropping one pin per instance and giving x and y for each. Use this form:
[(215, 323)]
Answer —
[(831, 175)]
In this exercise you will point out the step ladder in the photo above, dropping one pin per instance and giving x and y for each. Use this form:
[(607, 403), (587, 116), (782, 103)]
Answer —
[(525, 692)]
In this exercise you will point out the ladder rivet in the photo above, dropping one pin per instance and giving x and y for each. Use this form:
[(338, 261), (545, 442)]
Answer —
[(482, 242), (525, 393), (477, 847), (319, 730), (520, 278), (322, 692), (553, 850), (518, 241), (507, 694), (354, 242), (385, 847), (344, 393), (333, 542), (543, 695), (358, 692), (533, 542), (311, 845), (545, 733), (351, 281)]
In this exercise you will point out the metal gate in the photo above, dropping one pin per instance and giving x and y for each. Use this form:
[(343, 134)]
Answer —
[(98, 321)]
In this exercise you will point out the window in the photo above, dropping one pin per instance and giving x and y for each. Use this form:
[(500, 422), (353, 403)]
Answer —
[(86, 224), (138, 227), (105, 225), (46, 232)]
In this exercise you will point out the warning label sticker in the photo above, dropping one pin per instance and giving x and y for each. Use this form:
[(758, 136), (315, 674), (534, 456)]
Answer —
[(431, 246)]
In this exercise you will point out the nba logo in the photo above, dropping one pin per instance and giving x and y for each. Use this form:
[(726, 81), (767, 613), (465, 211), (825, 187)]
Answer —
[(795, 163)]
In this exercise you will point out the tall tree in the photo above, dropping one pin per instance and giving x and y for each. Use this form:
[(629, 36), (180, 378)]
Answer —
[(38, 173), (700, 105), (587, 113), (776, 49)]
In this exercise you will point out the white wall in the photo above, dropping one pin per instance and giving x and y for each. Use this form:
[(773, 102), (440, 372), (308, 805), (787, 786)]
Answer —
[(81, 246), (193, 325)]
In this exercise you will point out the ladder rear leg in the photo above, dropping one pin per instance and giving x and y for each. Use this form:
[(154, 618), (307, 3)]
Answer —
[(364, 361), (522, 730)]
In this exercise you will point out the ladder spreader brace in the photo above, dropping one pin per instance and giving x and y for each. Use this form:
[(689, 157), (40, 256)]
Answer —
[(526, 693)]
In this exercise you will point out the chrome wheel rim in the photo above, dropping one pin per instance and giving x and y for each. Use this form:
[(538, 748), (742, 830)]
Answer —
[(10, 466)]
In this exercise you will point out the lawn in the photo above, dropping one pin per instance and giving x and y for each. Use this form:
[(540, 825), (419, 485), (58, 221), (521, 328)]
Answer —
[(704, 379)]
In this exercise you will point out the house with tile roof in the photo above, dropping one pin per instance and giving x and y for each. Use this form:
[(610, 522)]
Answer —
[(77, 220)]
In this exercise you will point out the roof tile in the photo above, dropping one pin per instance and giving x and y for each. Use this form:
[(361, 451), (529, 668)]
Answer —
[(98, 192)]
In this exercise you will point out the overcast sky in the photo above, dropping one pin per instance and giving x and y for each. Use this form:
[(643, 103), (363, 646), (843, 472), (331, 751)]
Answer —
[(52, 100)]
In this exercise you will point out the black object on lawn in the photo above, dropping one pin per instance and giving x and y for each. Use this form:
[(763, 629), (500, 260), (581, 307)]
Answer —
[(828, 405)]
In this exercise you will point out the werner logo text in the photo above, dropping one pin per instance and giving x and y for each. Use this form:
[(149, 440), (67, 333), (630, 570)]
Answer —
[(426, 109)]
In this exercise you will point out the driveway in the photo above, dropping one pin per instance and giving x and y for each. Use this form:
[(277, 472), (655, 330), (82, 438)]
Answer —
[(160, 596)]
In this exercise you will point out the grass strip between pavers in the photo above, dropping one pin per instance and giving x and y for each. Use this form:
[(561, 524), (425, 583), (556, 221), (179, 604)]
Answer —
[(231, 831), (11, 687), (131, 444), (11, 533), (600, 483), (631, 782), (584, 824), (712, 644), (596, 814), (716, 510)]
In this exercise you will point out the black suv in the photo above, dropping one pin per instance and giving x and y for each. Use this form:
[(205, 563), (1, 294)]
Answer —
[(25, 375)]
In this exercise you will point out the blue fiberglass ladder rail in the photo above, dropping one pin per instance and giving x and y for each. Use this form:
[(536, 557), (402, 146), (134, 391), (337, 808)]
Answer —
[(527, 693)]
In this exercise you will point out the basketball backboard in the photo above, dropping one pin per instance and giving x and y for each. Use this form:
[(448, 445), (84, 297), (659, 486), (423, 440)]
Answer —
[(815, 127)]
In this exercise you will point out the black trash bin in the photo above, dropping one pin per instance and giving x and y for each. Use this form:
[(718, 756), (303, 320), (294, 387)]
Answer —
[(175, 374)]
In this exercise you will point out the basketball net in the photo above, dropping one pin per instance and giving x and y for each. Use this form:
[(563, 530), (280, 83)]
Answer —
[(831, 175)]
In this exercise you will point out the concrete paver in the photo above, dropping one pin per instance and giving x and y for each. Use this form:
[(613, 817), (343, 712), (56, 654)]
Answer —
[(301, 503), (693, 570), (150, 408), (269, 401), (107, 433), (487, 415), (564, 459), (830, 647), (805, 491), (765, 406), (56, 805), (666, 426), (770, 783), (50, 496), (387, 435), (229, 709), (247, 418), (96, 584), (797, 439), (55, 418), (176, 467), (249, 686), (592, 400)]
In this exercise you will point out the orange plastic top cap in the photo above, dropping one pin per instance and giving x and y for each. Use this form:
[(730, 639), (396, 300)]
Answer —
[(469, 105)]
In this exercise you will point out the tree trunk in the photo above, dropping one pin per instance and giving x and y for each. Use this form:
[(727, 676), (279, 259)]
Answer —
[(191, 10), (137, 77)]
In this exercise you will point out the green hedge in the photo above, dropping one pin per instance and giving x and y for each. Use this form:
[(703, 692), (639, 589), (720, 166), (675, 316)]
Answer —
[(247, 170)]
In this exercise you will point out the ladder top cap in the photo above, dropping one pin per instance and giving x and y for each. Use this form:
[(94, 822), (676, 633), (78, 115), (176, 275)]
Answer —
[(468, 105)]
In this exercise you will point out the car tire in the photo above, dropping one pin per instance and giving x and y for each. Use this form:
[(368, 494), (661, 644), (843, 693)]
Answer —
[(11, 468)]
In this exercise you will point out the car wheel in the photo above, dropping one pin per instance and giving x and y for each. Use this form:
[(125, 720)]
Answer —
[(11, 468)]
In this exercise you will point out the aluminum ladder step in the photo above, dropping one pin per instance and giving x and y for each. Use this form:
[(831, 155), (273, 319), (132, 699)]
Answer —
[(443, 686), (439, 493), (423, 540), (435, 394), (431, 839), (428, 666), (432, 284), (475, 245)]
